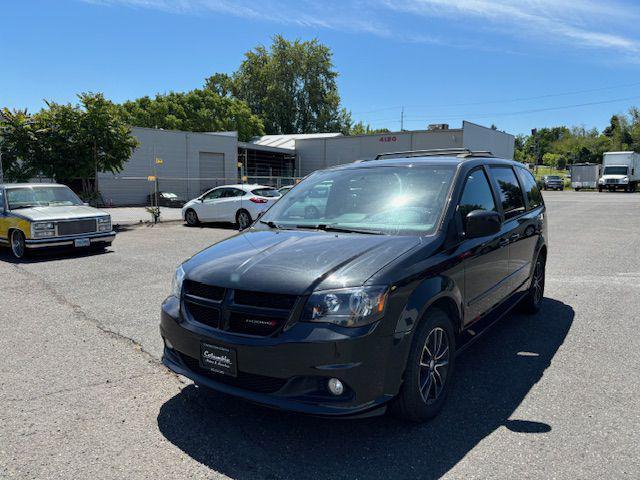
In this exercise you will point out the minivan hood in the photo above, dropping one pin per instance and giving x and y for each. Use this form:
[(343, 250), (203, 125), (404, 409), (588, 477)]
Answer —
[(58, 212), (295, 262)]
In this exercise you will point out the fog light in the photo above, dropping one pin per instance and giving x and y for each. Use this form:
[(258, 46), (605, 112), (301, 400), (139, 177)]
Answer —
[(335, 386)]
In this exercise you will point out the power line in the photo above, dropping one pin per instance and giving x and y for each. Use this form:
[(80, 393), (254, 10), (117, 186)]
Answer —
[(523, 112), (512, 100)]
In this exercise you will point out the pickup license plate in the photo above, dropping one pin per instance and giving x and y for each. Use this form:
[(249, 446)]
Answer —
[(218, 359), (81, 242)]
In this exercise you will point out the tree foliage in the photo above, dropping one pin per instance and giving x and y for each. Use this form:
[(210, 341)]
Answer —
[(199, 110), (291, 86), (361, 129), (67, 142), (559, 146)]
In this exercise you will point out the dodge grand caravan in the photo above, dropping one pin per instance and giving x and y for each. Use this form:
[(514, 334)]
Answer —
[(361, 304)]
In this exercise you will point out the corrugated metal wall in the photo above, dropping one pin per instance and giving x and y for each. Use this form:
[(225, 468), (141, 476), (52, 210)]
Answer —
[(181, 153)]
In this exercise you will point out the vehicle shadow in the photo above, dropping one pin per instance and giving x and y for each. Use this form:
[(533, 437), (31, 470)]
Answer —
[(493, 377), (50, 255)]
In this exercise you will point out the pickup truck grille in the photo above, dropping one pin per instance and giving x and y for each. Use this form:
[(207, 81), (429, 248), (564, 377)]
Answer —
[(611, 181), (250, 313), (76, 227)]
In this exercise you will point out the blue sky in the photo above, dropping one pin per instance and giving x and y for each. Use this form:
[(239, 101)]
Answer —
[(516, 63)]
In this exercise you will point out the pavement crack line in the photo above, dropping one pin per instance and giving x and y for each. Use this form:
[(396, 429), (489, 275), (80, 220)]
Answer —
[(83, 386), (81, 314)]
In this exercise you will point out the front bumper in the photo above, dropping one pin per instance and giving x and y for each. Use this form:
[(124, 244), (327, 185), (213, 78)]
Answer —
[(295, 365), (98, 238)]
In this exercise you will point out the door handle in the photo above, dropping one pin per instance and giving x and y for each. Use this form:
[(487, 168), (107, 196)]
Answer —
[(503, 242), (514, 237)]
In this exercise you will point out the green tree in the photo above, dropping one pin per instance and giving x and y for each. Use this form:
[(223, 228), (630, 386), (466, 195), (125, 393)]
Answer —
[(199, 110), (291, 86), (361, 129), (17, 143), (67, 142)]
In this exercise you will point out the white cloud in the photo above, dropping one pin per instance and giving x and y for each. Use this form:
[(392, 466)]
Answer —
[(574, 23), (577, 22)]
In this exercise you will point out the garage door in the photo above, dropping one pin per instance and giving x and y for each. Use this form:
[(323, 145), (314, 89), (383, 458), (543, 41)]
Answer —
[(211, 170)]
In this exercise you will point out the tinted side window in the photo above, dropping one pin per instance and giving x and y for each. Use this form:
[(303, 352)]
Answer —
[(1, 200), (476, 195), (531, 189), (510, 191), (214, 194)]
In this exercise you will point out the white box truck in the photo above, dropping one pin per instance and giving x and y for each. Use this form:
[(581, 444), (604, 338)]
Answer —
[(620, 170), (584, 175)]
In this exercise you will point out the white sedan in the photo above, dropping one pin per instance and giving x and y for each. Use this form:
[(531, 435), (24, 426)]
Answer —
[(240, 204)]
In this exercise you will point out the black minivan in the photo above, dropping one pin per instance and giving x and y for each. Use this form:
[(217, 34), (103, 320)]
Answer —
[(361, 303)]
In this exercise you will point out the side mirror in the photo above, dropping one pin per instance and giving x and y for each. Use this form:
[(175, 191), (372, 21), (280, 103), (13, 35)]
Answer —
[(480, 223)]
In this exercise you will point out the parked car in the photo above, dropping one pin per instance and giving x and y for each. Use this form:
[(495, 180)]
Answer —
[(620, 169), (240, 204), (366, 306), (166, 199), (553, 182), (35, 216)]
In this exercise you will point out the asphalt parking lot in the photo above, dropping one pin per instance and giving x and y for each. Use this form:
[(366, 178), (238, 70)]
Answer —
[(555, 395)]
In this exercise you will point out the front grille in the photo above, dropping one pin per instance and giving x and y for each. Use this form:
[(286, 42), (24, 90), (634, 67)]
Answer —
[(203, 291), (245, 381), (264, 300), (206, 315), (245, 312), (75, 227), (612, 180)]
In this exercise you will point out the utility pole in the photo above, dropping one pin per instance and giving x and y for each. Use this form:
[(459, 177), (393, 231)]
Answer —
[(402, 119)]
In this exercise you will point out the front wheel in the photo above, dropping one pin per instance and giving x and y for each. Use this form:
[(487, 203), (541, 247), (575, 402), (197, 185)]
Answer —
[(429, 370), (191, 217), (532, 302), (18, 244)]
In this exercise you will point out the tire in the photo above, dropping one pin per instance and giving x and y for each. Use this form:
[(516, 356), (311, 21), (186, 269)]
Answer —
[(191, 217), (425, 367), (577, 189), (243, 219), (600, 189), (17, 245), (532, 302)]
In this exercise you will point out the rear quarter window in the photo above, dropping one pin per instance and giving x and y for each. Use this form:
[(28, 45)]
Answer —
[(510, 191), (531, 190), (266, 192)]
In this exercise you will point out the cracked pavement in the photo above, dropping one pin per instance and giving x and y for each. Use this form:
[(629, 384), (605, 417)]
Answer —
[(83, 395)]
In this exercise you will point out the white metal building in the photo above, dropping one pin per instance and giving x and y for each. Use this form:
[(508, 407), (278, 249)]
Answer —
[(194, 162)]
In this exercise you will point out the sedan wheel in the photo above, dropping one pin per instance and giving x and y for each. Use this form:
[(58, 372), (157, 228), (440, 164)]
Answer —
[(18, 248), (192, 218), (533, 300), (243, 219)]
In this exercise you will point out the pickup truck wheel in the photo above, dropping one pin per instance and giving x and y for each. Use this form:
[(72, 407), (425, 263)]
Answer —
[(429, 371), (600, 189), (18, 245), (532, 302), (191, 217)]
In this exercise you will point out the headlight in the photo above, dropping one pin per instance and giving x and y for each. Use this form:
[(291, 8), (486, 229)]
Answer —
[(625, 180), (176, 284), (347, 307), (601, 180), (43, 229), (104, 224), (43, 226)]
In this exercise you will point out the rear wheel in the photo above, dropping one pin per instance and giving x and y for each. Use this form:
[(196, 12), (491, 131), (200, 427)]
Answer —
[(243, 219), (533, 300), (18, 244), (429, 370), (191, 217)]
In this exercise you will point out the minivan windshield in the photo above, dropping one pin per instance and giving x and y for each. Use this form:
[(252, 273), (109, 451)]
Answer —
[(49, 196), (615, 170), (392, 200)]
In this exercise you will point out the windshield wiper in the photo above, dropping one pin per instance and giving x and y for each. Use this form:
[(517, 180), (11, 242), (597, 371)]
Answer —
[(332, 227), (271, 224)]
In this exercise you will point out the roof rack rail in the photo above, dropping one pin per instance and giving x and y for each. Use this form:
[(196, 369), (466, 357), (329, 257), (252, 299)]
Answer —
[(437, 152)]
